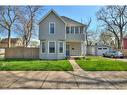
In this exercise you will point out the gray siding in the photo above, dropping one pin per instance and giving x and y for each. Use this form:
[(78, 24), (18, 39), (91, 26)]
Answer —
[(56, 55), (59, 28), (74, 48), (74, 37), (59, 35)]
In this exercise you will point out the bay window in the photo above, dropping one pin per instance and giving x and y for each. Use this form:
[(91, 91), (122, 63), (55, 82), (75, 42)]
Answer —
[(61, 46), (43, 47), (52, 47)]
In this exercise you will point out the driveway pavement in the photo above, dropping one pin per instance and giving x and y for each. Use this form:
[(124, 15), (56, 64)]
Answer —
[(123, 59), (77, 79)]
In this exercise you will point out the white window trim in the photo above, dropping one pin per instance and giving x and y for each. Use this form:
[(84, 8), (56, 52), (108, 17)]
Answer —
[(45, 47), (59, 47), (54, 27), (48, 47)]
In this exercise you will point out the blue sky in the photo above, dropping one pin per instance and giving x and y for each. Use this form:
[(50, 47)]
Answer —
[(76, 13)]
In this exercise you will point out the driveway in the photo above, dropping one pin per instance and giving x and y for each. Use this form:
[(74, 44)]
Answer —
[(77, 79), (121, 59)]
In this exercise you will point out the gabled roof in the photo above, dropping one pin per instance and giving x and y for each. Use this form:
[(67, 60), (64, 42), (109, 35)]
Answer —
[(49, 13), (69, 20), (62, 18)]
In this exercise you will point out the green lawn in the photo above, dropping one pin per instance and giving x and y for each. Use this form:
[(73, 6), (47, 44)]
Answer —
[(34, 65), (94, 63)]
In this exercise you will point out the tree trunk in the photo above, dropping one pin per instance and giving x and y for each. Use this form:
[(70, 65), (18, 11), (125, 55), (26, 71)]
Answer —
[(9, 38), (118, 44), (26, 43), (121, 39)]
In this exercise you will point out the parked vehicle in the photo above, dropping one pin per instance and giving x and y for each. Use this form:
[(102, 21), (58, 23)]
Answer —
[(113, 54)]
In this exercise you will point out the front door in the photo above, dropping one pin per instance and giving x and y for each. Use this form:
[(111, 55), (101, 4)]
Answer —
[(67, 50)]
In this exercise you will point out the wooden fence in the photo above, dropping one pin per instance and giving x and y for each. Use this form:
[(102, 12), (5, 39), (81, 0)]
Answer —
[(21, 52)]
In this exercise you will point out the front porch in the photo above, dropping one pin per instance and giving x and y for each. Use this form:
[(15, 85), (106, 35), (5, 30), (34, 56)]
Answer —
[(74, 49)]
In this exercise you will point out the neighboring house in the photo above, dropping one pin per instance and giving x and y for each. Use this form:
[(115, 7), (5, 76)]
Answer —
[(60, 36), (15, 42), (125, 43), (97, 49)]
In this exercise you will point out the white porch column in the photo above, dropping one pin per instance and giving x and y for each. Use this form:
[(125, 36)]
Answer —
[(83, 48)]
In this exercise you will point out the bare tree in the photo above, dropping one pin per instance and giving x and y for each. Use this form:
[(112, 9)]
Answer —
[(87, 32), (8, 16), (27, 22), (90, 35), (107, 38), (114, 18)]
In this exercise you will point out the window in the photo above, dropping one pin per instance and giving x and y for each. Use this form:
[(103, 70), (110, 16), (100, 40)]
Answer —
[(100, 48), (67, 30), (76, 30), (43, 47), (61, 46), (51, 27), (104, 48), (72, 30), (81, 30), (51, 47)]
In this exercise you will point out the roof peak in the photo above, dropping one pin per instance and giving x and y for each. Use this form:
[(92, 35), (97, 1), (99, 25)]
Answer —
[(72, 20), (67, 19)]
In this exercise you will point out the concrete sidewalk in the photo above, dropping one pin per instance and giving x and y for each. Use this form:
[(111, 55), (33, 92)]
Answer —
[(77, 79), (64, 80)]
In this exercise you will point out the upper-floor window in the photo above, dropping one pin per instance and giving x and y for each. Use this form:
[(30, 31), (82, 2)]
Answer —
[(76, 30), (51, 27), (72, 30), (81, 30), (67, 30)]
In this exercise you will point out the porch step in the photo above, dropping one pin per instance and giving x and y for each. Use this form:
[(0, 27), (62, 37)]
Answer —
[(73, 57)]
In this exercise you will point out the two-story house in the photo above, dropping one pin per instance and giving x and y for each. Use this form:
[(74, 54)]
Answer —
[(60, 36)]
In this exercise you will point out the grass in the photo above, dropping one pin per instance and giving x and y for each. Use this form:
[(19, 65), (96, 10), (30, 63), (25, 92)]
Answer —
[(94, 63), (34, 65)]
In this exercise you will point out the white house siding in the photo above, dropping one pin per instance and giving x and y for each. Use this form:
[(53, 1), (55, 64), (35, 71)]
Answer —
[(74, 37)]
